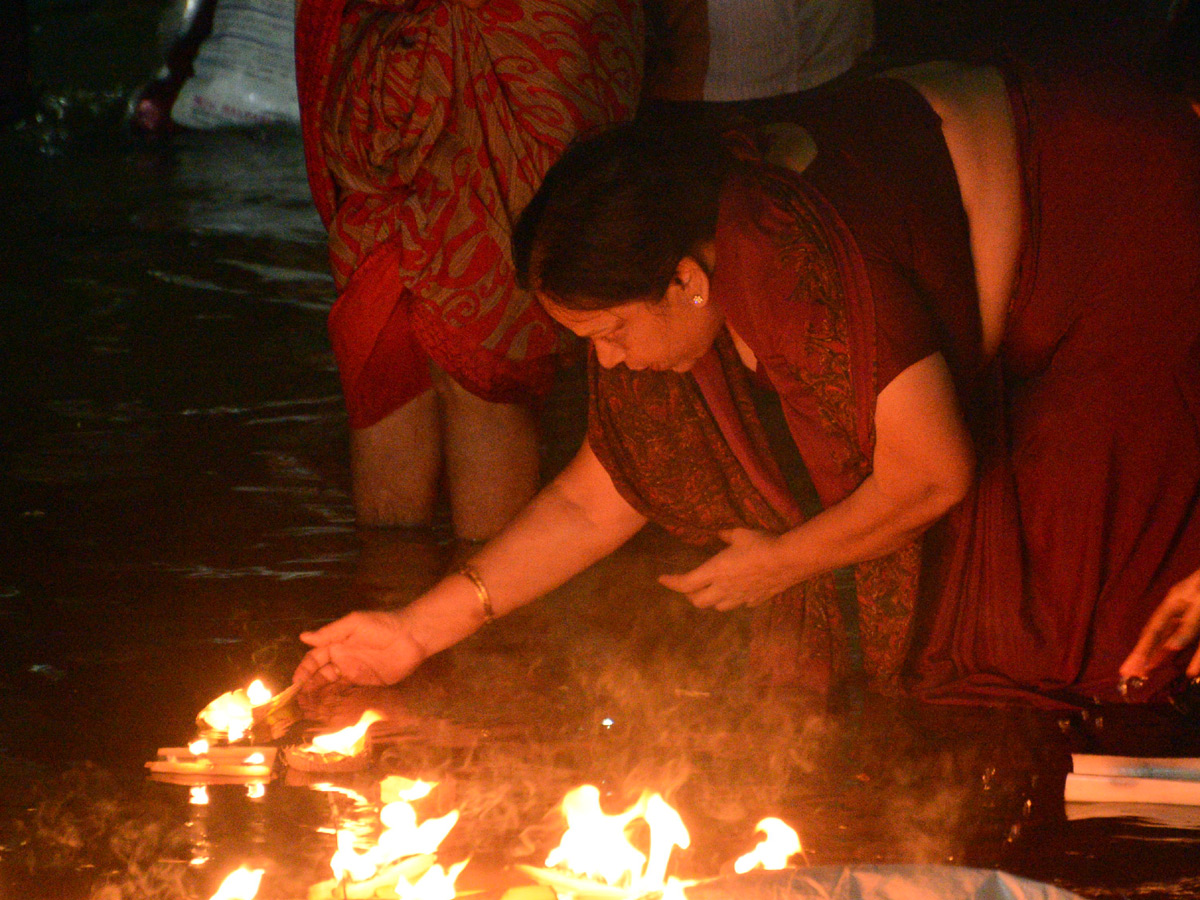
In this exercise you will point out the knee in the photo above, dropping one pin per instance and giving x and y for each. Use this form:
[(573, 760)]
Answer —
[(395, 465), (463, 409), (452, 396)]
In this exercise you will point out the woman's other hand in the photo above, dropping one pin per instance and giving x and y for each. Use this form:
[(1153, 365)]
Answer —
[(1174, 626), (745, 573), (372, 648)]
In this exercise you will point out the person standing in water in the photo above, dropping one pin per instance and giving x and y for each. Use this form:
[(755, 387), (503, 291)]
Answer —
[(427, 126)]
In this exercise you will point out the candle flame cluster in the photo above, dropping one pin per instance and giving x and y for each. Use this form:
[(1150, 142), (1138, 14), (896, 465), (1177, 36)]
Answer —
[(595, 860), (596, 845)]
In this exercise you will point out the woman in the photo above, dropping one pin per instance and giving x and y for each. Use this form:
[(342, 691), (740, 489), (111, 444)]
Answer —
[(988, 367), (427, 125)]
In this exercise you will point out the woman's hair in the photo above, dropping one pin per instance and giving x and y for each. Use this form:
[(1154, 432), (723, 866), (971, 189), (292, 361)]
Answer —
[(617, 213)]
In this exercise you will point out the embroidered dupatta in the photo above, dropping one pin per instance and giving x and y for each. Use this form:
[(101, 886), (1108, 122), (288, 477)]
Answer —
[(690, 453)]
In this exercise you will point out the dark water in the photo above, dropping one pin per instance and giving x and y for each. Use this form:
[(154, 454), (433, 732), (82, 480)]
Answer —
[(174, 509)]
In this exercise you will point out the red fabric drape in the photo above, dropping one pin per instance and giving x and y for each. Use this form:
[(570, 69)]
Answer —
[(1086, 510), (427, 127)]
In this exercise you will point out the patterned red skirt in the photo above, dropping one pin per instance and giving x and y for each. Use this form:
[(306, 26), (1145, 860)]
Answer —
[(428, 126)]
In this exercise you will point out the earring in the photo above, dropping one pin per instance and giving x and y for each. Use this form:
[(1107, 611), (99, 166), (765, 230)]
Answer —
[(698, 300)]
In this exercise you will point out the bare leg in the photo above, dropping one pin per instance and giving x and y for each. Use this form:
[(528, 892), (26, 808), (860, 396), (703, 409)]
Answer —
[(395, 464), (491, 453)]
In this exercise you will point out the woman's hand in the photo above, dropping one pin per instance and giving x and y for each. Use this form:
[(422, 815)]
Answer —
[(373, 648), (745, 573), (1174, 626)]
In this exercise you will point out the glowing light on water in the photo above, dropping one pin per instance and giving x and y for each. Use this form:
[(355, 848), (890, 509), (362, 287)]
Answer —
[(396, 787), (348, 862), (347, 742), (240, 884), (401, 861)]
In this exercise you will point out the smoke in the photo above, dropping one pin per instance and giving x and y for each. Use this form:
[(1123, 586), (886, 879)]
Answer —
[(616, 682), (86, 833)]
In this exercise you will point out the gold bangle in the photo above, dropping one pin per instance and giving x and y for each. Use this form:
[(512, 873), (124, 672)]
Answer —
[(481, 591)]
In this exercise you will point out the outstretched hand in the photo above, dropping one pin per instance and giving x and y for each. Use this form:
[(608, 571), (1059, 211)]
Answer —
[(370, 648), (1174, 626), (746, 573)]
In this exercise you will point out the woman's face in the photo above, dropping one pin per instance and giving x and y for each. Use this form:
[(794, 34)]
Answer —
[(670, 333)]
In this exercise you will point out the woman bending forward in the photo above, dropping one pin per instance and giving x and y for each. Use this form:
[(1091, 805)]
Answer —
[(974, 296)]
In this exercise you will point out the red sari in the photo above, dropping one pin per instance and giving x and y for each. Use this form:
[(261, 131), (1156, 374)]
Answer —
[(427, 127), (1086, 425)]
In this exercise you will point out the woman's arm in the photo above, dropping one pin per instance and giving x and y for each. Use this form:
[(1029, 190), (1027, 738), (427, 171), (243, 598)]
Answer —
[(923, 464), (576, 520)]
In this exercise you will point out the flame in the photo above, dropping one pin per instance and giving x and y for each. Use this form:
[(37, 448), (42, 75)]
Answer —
[(435, 884), (258, 693), (595, 845), (198, 795), (347, 742), (240, 884), (402, 839), (255, 759), (348, 863), (667, 832), (198, 748), (780, 843), (231, 714)]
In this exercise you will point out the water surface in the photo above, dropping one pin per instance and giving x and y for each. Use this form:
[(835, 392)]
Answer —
[(174, 509)]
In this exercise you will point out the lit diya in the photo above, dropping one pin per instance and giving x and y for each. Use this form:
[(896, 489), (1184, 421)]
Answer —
[(596, 859), (235, 713), (219, 756), (200, 762), (340, 751), (779, 844)]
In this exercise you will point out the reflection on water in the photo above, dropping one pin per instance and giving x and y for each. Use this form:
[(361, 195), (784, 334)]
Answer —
[(174, 509)]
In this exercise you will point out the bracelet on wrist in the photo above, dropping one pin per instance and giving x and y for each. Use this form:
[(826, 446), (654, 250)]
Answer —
[(481, 592)]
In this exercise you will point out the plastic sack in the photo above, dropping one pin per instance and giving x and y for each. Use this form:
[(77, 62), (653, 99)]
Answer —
[(245, 71), (900, 882)]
